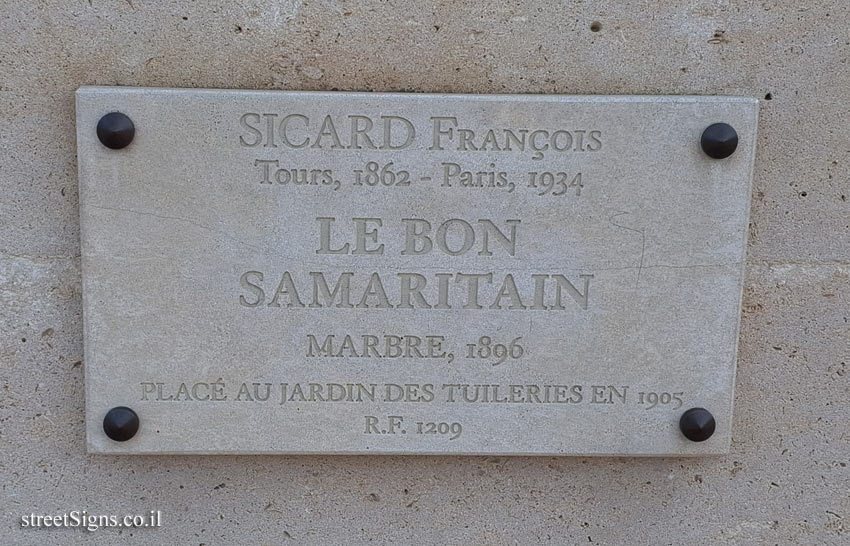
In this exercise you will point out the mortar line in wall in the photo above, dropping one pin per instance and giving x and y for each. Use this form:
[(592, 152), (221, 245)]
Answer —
[(33, 257)]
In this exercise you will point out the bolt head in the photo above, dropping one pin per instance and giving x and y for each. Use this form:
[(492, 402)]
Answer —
[(115, 130), (121, 423), (719, 140), (697, 424)]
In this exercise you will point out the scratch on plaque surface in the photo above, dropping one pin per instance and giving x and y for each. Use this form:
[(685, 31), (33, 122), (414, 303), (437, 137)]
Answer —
[(153, 215), (642, 233)]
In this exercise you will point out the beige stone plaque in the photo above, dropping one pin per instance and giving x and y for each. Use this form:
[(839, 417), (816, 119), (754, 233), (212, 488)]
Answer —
[(290, 272)]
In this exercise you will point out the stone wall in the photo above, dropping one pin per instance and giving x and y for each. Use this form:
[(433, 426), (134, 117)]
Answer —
[(786, 480)]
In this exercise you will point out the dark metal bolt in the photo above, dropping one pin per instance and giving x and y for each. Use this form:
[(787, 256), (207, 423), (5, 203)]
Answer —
[(719, 140), (115, 130), (121, 423), (697, 424)]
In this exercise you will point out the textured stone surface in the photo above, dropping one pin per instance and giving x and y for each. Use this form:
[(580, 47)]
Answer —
[(478, 305), (786, 478)]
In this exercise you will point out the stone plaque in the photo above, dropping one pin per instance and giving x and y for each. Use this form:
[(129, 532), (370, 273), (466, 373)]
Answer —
[(291, 272)]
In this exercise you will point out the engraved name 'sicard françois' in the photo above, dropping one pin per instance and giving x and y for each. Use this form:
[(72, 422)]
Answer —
[(493, 288)]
